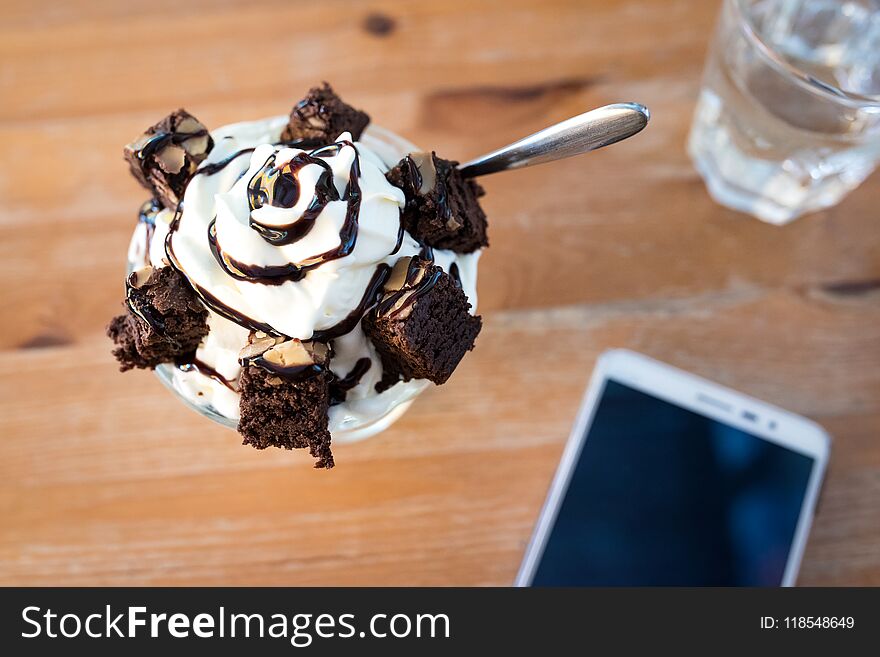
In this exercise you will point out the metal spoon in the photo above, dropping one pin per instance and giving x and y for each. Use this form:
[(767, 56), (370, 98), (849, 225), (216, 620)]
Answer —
[(582, 133)]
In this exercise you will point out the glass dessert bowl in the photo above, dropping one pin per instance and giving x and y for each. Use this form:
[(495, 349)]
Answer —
[(299, 278)]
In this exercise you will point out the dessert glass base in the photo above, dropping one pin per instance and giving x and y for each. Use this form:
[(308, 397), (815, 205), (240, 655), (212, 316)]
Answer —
[(349, 427), (168, 374)]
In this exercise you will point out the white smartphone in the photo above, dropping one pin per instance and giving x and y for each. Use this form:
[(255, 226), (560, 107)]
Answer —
[(671, 480)]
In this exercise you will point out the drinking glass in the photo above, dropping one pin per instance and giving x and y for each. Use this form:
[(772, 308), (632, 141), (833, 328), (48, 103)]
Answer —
[(788, 119)]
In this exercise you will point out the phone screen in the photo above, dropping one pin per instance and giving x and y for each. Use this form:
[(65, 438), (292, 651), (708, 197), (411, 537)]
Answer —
[(661, 495)]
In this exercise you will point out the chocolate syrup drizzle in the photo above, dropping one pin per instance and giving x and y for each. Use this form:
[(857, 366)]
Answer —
[(416, 180), (289, 372), (325, 192), (284, 193), (371, 296), (143, 310), (339, 387), (265, 274), (191, 363), (400, 232), (456, 275), (411, 291), (147, 216), (216, 167), (230, 313)]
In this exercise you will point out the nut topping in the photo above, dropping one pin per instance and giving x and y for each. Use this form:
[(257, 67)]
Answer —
[(137, 278), (427, 171), (171, 158), (289, 354), (398, 275), (256, 348), (166, 156)]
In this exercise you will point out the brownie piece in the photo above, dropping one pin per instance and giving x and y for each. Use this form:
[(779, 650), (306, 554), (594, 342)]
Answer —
[(421, 326), (166, 156), (164, 320), (322, 116), (441, 209), (285, 395)]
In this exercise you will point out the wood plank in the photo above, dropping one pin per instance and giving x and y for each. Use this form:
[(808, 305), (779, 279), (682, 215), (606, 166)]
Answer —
[(651, 238), (147, 492)]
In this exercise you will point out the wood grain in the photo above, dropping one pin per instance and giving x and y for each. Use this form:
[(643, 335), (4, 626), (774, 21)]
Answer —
[(106, 479)]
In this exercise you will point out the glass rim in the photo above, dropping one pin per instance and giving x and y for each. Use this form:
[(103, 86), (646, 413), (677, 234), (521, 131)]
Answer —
[(802, 77)]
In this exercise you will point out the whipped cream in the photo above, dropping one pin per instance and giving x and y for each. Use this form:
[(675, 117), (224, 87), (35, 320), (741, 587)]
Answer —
[(300, 266)]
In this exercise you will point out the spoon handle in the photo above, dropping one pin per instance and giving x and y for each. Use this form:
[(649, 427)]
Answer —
[(579, 134)]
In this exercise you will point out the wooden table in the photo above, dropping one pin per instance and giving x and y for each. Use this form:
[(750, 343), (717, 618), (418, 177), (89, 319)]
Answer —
[(107, 479)]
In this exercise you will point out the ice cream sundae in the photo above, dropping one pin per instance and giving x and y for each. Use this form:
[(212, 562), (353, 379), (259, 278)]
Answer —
[(300, 277)]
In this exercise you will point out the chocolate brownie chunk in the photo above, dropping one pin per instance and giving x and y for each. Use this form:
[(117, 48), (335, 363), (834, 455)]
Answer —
[(441, 209), (285, 394), (421, 326), (164, 320), (322, 116), (166, 156)]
